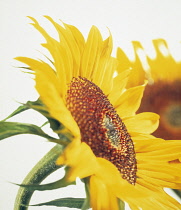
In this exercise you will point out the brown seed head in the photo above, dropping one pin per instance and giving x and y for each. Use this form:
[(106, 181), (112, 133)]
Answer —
[(101, 127)]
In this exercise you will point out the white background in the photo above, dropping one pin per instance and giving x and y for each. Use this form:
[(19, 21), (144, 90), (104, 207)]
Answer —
[(127, 20)]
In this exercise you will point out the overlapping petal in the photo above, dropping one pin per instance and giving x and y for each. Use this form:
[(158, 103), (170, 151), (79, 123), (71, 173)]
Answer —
[(100, 200), (145, 122), (129, 102)]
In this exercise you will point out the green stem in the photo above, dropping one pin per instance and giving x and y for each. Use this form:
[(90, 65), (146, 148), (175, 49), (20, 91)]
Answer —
[(40, 171), (86, 204)]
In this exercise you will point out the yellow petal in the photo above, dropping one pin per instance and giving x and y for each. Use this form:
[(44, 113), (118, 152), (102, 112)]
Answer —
[(163, 67), (70, 154), (157, 199), (160, 155), (145, 122), (61, 63), (56, 106), (91, 53), (50, 93), (129, 102), (160, 182), (101, 196), (124, 61), (119, 84), (69, 41), (43, 67), (106, 65), (107, 171), (107, 79), (82, 161), (137, 76), (158, 171)]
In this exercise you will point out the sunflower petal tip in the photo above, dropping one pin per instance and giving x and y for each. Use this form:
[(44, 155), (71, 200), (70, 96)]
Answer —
[(33, 19), (48, 18), (64, 24), (19, 58), (110, 34), (29, 17), (137, 45), (95, 29)]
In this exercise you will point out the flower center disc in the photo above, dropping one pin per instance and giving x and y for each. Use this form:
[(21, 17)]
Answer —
[(101, 127), (172, 115)]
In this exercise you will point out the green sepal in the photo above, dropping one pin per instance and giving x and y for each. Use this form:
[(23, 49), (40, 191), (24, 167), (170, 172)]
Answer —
[(177, 192), (40, 171), (8, 129), (41, 108), (45, 123), (121, 204), (23, 67), (38, 106), (55, 125), (51, 186), (64, 202)]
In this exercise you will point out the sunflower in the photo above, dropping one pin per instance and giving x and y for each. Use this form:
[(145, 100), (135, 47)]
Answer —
[(112, 147), (162, 94)]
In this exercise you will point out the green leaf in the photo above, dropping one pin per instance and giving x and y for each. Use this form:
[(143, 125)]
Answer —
[(64, 202), (41, 170), (20, 109), (8, 129), (51, 186)]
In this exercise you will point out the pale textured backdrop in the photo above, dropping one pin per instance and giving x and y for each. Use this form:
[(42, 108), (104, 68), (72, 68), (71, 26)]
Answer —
[(141, 20)]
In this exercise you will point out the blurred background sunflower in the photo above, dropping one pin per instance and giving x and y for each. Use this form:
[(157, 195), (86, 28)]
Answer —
[(163, 93)]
